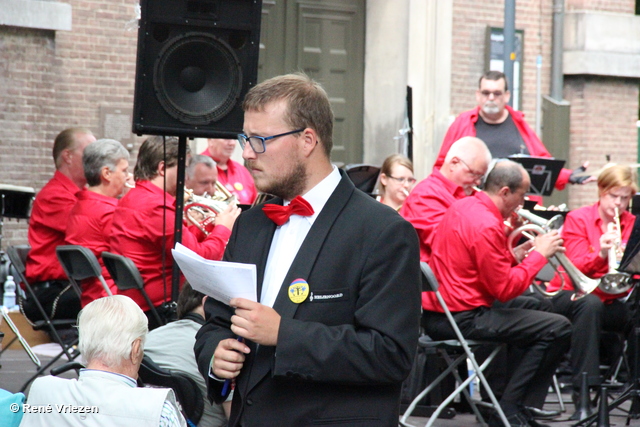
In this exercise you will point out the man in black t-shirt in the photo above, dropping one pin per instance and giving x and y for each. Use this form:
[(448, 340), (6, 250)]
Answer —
[(502, 128)]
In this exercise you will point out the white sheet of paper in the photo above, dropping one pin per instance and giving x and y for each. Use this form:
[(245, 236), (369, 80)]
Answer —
[(220, 280)]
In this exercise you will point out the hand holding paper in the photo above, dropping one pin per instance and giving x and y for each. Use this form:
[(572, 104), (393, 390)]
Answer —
[(220, 280)]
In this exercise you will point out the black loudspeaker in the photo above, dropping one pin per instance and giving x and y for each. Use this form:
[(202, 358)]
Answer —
[(196, 61)]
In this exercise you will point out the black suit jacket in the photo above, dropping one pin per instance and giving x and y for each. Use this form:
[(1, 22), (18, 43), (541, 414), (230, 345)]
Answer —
[(343, 353)]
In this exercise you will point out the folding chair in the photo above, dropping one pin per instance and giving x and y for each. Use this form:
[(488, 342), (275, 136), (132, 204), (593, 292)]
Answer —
[(461, 349), (127, 276), (187, 391), (18, 257), (80, 263)]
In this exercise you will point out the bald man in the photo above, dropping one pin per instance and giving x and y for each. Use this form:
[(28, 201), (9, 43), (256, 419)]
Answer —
[(464, 167)]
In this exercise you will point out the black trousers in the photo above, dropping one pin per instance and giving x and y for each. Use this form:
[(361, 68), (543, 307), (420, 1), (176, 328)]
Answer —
[(590, 316), (540, 338)]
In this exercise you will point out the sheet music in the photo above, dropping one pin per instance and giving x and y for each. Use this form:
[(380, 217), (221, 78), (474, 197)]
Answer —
[(220, 280)]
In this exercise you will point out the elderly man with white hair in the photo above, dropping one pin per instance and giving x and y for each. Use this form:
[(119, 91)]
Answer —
[(112, 335)]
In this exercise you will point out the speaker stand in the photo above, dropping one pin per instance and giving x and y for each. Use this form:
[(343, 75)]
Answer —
[(177, 235)]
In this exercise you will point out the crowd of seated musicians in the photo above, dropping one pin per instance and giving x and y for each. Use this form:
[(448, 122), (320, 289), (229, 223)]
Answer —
[(464, 238), (461, 230)]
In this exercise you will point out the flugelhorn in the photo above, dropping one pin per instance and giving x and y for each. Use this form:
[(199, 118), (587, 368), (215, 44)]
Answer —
[(201, 211), (615, 282), (582, 284)]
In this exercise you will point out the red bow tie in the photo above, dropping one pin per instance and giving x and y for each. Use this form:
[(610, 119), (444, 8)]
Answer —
[(280, 214)]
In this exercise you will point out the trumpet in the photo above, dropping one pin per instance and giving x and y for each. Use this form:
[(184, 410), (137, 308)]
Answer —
[(615, 282), (201, 211), (583, 285)]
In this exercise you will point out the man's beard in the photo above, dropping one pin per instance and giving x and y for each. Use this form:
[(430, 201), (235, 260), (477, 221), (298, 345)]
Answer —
[(289, 186), (490, 108)]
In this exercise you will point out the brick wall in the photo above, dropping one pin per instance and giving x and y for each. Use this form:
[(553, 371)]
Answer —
[(617, 6), (593, 99), (604, 112), (53, 80), (470, 21)]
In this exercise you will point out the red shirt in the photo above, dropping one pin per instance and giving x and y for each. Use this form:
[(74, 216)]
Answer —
[(427, 204), (465, 125), (237, 180), (581, 233), (89, 225), (472, 261), (137, 233), (47, 227)]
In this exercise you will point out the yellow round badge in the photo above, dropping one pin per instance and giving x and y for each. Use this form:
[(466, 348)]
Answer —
[(298, 291), (238, 186)]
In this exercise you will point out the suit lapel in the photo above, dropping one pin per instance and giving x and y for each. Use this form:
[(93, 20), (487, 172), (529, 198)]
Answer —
[(301, 268)]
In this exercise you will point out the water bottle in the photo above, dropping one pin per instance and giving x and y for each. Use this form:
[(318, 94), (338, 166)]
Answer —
[(9, 297)]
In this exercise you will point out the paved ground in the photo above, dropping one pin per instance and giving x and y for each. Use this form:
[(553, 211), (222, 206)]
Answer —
[(16, 368)]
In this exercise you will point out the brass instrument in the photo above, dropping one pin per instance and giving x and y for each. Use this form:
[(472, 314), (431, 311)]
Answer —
[(583, 285), (202, 210), (615, 282)]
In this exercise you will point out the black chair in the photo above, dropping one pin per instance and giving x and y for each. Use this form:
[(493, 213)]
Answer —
[(364, 177), (126, 276), (454, 352), (186, 389), (80, 263), (18, 257)]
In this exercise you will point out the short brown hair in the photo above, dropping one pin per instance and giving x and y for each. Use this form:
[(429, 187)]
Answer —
[(616, 176), (188, 300), (66, 140), (494, 76), (308, 105), (153, 151)]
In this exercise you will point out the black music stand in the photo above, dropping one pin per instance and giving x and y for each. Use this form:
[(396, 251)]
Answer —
[(15, 202), (630, 264), (543, 172)]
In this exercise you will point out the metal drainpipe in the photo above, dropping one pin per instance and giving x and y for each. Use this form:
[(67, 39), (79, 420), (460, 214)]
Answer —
[(557, 47)]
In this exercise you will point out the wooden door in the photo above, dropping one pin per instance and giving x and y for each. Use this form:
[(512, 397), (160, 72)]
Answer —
[(325, 39)]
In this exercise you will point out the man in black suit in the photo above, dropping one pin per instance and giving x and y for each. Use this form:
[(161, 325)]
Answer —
[(336, 329)]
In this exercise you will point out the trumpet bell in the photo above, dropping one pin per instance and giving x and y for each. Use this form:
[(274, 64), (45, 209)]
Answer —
[(615, 283), (201, 211)]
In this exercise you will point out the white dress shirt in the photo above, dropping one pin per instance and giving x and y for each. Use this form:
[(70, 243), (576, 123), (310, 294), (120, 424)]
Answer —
[(289, 237)]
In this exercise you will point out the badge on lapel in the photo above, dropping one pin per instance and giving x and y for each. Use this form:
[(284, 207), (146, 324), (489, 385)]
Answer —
[(298, 291)]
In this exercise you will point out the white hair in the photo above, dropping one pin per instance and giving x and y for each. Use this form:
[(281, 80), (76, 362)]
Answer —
[(199, 159), (467, 148), (108, 327)]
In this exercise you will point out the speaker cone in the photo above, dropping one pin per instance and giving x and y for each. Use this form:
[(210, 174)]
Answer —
[(197, 78)]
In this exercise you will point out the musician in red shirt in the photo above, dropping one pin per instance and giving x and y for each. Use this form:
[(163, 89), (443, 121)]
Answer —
[(235, 177), (589, 234), (143, 223), (106, 164), (474, 267), (464, 167), (48, 224)]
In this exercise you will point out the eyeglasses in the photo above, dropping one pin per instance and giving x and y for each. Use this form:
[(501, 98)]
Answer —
[(257, 143), (476, 175), (410, 180), (495, 93)]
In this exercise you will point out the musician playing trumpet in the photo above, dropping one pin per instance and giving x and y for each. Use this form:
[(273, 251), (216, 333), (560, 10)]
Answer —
[(591, 235), (474, 267), (143, 223), (201, 176)]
